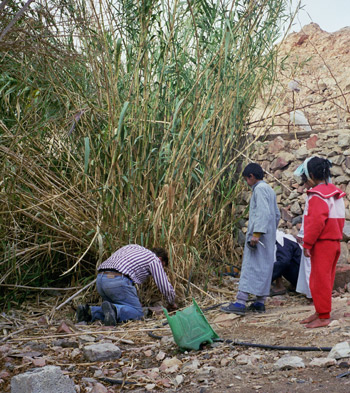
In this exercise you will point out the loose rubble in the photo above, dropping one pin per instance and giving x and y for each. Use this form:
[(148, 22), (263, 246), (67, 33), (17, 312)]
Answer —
[(134, 360)]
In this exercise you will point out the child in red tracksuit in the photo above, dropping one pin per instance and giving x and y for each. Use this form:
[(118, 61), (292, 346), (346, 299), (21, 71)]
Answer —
[(324, 219)]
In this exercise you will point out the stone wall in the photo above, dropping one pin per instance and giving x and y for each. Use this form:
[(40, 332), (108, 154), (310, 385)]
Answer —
[(280, 157)]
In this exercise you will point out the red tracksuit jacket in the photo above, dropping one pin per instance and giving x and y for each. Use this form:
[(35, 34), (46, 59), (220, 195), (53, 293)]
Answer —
[(324, 215)]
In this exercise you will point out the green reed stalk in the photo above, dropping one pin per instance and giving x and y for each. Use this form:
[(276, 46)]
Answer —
[(125, 129)]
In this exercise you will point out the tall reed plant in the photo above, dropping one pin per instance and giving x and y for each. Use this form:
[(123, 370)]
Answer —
[(125, 122)]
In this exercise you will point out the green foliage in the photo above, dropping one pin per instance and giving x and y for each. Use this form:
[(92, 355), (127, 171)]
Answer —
[(126, 122)]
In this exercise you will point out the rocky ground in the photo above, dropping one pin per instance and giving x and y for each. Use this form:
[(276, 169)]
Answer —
[(35, 337)]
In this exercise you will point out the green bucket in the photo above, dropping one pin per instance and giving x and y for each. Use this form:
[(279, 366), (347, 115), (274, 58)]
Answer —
[(190, 327)]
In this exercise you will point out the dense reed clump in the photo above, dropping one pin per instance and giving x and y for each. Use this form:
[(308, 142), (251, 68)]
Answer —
[(125, 122)]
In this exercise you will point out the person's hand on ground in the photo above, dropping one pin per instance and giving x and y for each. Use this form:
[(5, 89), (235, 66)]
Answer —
[(172, 307)]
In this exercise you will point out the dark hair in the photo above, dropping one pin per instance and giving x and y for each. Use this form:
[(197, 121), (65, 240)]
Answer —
[(253, 169), (303, 179), (161, 253), (319, 168)]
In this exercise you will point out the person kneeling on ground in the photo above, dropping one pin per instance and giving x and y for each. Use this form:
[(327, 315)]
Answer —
[(116, 279), (287, 263)]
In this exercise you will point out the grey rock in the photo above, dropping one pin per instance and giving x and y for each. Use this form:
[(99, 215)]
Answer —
[(88, 380), (331, 154), (98, 373), (37, 346), (346, 163), (337, 171), (117, 375), (288, 362), (297, 220), (344, 139), (192, 366), (336, 133), (101, 352), (84, 338), (247, 359), (295, 208), (339, 351), (323, 362), (285, 215), (276, 145), (99, 388), (65, 343), (346, 231), (338, 160), (281, 162), (294, 194), (344, 254), (302, 153), (287, 175), (47, 379), (341, 179)]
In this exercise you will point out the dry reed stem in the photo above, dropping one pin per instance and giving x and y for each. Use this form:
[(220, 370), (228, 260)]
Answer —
[(152, 126)]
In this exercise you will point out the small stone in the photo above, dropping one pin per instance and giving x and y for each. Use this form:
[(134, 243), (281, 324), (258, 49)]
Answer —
[(39, 362), (101, 352), (289, 362), (190, 367), (161, 355), (224, 362), (323, 362), (179, 379), (86, 338), (340, 350), (99, 388), (170, 365), (247, 359)]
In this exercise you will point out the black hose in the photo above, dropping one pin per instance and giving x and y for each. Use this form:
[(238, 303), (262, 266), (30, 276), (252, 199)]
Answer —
[(244, 344), (278, 347), (117, 381), (263, 346)]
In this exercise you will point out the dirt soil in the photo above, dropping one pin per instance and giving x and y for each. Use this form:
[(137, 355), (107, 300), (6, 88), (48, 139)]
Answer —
[(34, 336)]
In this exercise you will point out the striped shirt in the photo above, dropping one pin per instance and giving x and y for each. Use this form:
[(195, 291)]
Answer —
[(138, 263)]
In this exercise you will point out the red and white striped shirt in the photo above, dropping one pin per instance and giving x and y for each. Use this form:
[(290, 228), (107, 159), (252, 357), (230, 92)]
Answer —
[(138, 263)]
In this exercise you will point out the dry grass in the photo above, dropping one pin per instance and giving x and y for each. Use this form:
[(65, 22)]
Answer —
[(127, 126)]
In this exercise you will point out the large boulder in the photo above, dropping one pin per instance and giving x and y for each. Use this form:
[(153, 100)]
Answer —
[(49, 379)]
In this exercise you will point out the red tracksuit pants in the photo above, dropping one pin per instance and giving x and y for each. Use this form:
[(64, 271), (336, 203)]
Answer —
[(324, 257)]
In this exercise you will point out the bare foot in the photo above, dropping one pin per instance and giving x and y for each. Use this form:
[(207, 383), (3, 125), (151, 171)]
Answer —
[(318, 323), (310, 318)]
